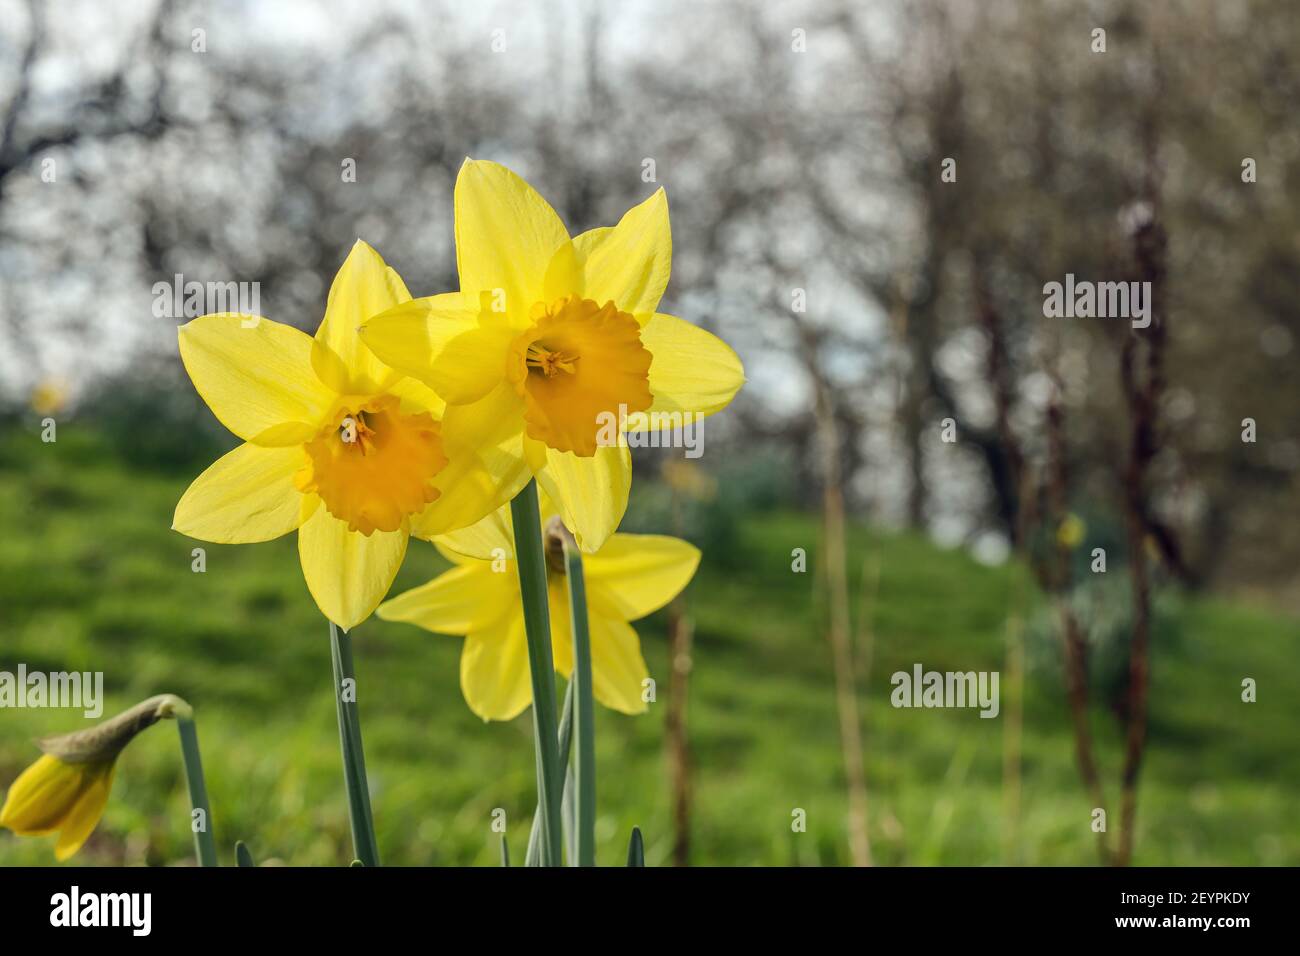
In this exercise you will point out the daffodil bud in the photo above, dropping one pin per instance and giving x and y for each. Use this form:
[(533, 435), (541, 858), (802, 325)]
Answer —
[(554, 537), (65, 790), (105, 740)]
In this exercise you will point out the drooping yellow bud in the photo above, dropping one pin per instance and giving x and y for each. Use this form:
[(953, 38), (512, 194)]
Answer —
[(65, 791)]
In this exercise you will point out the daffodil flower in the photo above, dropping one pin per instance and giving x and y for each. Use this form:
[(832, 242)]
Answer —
[(66, 789), (553, 348), (337, 446), (51, 796), (630, 577)]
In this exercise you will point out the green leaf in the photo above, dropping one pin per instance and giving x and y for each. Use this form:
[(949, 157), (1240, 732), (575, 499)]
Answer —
[(533, 856), (531, 561), (242, 856), (354, 759), (569, 812), (505, 851), (636, 849), (584, 770), (204, 846)]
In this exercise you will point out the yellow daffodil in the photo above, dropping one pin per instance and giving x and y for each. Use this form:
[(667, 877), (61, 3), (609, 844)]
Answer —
[(630, 577), (65, 791), (552, 340), (337, 446), (51, 796)]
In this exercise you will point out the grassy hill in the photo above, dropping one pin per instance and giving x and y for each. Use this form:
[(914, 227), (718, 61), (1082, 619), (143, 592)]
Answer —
[(92, 578)]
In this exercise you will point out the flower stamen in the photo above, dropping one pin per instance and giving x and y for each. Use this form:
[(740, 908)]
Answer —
[(550, 363), (577, 365), (353, 430), (375, 467)]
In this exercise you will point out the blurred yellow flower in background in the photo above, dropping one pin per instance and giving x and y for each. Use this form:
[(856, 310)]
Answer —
[(49, 397), (552, 338), (689, 479), (337, 446), (1071, 532), (631, 576)]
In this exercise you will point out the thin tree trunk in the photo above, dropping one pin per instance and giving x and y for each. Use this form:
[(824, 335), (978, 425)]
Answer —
[(838, 631), (1075, 647), (1144, 401)]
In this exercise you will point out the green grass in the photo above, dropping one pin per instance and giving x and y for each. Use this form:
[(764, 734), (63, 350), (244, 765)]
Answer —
[(92, 578)]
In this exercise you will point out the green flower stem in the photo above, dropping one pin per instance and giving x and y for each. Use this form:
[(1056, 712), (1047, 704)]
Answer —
[(354, 759), (636, 849), (533, 856), (526, 515), (584, 712), (205, 847), (569, 818)]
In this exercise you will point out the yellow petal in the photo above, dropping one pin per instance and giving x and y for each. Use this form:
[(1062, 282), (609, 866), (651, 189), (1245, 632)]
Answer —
[(617, 667), (466, 598), (348, 573), (246, 495), (691, 371), (629, 263), (590, 494), (485, 468), (253, 379), (637, 574), (494, 673), (287, 434), (84, 816), (535, 455), (449, 555), (41, 798), (417, 397), (506, 235), (363, 287), (557, 601), (491, 537), (564, 271), (546, 506), (458, 351)]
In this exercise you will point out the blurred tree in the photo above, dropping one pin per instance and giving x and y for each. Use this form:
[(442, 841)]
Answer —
[(810, 169)]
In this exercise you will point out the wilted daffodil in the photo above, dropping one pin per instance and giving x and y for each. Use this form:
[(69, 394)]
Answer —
[(553, 346), (65, 791), (337, 446), (630, 577)]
